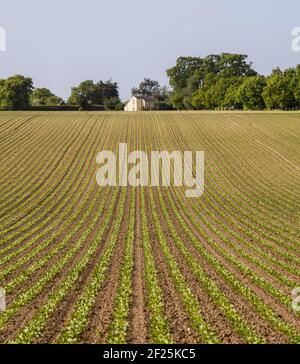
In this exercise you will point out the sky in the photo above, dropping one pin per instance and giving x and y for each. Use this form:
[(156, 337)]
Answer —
[(60, 43)]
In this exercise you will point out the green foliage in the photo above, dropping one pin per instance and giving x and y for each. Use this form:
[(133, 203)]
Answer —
[(201, 83), (88, 93), (120, 322), (159, 325), (202, 99), (228, 81), (191, 305), (177, 100), (162, 105), (79, 318), (295, 84), (44, 97), (83, 94), (249, 94), (278, 93), (213, 92), (219, 298), (147, 87), (15, 92), (151, 88), (231, 100), (113, 103)]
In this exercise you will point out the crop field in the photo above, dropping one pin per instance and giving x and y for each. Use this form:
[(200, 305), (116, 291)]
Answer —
[(87, 264)]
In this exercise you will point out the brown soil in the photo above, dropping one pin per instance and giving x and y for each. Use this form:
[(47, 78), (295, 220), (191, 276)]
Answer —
[(138, 313)]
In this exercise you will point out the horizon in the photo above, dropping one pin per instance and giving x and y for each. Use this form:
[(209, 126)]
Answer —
[(78, 47), (156, 227)]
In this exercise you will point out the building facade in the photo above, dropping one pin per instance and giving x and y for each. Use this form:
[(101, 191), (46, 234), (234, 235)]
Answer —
[(139, 103)]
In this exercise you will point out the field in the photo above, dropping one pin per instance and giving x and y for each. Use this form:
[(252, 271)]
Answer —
[(87, 264)]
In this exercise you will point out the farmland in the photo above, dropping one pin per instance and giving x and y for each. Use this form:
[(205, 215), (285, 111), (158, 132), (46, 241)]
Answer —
[(87, 264)]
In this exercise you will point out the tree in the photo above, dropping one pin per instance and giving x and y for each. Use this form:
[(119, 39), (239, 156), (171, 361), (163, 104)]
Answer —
[(213, 92), (15, 93), (177, 100), (235, 65), (43, 96), (278, 93), (161, 95), (184, 69), (195, 80), (113, 103), (87, 93), (104, 90), (110, 89), (231, 100), (82, 95), (203, 98), (296, 85), (147, 87), (183, 79), (220, 87), (162, 105), (249, 94)]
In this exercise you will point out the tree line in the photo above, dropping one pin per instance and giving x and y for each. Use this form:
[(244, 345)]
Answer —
[(17, 93), (228, 81), (218, 81)]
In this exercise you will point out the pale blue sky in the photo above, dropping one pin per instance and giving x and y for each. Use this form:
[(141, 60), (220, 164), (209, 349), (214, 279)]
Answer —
[(62, 42)]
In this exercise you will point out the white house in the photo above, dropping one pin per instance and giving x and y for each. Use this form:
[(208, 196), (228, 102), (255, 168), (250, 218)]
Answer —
[(138, 103)]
